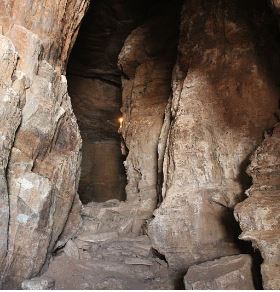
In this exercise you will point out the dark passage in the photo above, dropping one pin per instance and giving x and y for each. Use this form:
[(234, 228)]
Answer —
[(95, 88)]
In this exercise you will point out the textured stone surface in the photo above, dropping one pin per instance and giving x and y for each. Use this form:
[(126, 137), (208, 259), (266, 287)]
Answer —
[(40, 141), (259, 215), (43, 283), (113, 216), (146, 59), (10, 117), (227, 273), (223, 100), (108, 260), (55, 24), (73, 223), (187, 136)]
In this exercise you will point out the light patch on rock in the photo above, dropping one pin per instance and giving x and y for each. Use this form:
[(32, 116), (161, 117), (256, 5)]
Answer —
[(63, 79), (6, 98), (25, 184), (45, 283), (23, 218)]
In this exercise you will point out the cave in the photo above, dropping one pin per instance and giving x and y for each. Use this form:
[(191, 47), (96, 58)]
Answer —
[(140, 144), (94, 83), (95, 88)]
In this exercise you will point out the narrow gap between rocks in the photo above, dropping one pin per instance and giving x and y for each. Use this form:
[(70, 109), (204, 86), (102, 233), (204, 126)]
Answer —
[(94, 84)]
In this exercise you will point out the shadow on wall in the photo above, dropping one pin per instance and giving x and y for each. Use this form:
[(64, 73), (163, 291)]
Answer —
[(102, 177), (260, 99)]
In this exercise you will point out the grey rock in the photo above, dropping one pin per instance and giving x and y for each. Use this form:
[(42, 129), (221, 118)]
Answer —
[(110, 284), (45, 283), (71, 249), (138, 261)]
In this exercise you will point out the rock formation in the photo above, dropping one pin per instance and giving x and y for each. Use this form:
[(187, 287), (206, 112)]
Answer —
[(95, 90), (195, 82), (222, 102), (146, 60), (227, 273), (259, 215), (40, 141)]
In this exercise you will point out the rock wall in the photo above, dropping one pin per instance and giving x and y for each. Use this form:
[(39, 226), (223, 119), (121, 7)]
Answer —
[(224, 97), (187, 134), (259, 215), (40, 142), (147, 60)]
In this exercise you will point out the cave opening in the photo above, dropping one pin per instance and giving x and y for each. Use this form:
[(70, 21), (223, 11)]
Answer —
[(94, 84)]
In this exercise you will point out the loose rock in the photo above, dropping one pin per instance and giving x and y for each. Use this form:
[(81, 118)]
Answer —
[(227, 273)]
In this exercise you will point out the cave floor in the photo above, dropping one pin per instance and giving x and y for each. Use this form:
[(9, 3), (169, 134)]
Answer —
[(107, 254)]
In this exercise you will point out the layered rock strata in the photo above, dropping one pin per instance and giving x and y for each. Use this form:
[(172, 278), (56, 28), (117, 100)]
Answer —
[(187, 137), (95, 89), (109, 252), (40, 141)]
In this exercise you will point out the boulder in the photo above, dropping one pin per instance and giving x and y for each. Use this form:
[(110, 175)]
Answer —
[(226, 273)]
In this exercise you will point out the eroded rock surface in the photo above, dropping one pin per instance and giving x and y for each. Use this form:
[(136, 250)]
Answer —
[(40, 141), (223, 100), (227, 273), (259, 215), (187, 137), (147, 60)]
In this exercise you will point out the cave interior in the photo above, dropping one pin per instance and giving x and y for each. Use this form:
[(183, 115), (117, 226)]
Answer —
[(172, 100)]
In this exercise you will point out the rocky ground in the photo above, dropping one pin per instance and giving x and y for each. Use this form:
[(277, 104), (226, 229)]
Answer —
[(109, 253), (112, 251)]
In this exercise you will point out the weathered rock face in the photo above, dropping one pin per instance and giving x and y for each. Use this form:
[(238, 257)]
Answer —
[(223, 100), (188, 132), (40, 141), (227, 273), (147, 60), (259, 215)]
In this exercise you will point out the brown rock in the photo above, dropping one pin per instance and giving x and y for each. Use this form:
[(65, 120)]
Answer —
[(40, 144), (227, 273), (147, 60), (259, 215), (222, 102)]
